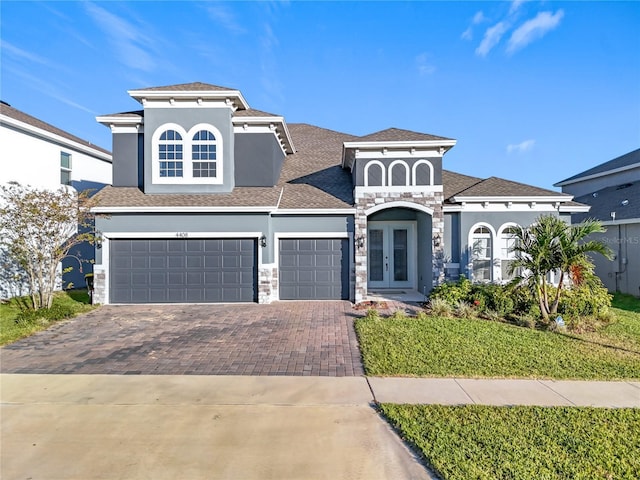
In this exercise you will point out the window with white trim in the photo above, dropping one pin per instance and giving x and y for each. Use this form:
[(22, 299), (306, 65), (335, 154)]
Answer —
[(170, 150), (203, 154), (65, 168), (481, 258), (508, 241), (187, 157)]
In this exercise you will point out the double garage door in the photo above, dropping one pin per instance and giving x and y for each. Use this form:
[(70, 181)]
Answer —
[(183, 270), (223, 270)]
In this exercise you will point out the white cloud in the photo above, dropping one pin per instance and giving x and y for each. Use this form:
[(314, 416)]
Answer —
[(425, 66), (130, 43), (225, 17), (534, 29), (17, 52), (491, 38), (479, 18), (515, 6), (521, 147)]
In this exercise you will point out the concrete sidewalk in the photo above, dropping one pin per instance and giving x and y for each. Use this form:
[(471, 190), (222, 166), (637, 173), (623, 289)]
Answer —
[(240, 427)]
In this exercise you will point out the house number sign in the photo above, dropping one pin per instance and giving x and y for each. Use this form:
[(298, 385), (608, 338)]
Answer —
[(182, 234)]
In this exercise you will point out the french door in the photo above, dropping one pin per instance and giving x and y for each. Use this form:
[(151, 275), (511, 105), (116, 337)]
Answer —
[(392, 255)]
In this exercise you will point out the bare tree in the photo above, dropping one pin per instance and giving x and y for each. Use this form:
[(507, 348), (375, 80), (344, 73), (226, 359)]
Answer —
[(38, 227)]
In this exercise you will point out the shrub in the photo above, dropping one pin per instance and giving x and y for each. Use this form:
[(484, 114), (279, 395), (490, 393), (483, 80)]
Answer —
[(492, 315), (492, 296), (464, 310), (439, 307), (584, 300), (453, 292), (45, 315)]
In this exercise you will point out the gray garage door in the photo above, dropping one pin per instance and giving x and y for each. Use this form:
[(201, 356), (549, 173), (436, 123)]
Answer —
[(314, 269), (183, 270)]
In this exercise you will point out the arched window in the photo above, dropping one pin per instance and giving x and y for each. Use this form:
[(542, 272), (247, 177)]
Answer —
[(204, 154), (422, 173), (508, 241), (374, 174), (170, 148), (481, 254), (398, 174)]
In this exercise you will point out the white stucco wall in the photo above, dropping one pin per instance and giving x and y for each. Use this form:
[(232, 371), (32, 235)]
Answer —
[(35, 161)]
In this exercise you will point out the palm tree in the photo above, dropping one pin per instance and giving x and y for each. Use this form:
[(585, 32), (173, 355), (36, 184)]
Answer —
[(550, 245)]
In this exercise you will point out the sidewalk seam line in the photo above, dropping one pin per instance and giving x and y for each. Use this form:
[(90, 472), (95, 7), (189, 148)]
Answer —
[(373, 394), (557, 393), (465, 392)]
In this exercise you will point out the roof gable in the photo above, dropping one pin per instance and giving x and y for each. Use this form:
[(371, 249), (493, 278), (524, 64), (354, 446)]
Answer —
[(188, 87), (399, 135)]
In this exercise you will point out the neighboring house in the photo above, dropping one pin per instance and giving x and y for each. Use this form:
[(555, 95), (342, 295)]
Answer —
[(38, 154), (612, 189), (213, 201)]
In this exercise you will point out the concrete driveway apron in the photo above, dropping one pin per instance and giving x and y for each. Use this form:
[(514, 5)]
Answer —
[(284, 338)]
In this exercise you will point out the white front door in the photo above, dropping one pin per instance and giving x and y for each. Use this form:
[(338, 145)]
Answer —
[(392, 255)]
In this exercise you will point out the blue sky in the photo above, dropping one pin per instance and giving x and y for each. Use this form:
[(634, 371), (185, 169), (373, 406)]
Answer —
[(533, 91)]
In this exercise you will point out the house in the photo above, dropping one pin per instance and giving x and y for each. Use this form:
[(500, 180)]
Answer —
[(214, 201), (38, 154), (612, 190)]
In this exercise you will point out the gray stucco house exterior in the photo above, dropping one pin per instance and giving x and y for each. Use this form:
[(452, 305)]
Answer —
[(612, 190), (213, 201)]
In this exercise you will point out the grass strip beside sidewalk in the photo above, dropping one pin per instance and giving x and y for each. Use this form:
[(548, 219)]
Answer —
[(522, 443)]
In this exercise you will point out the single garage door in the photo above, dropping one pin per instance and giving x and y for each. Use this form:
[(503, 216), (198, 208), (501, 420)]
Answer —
[(314, 269), (183, 270)]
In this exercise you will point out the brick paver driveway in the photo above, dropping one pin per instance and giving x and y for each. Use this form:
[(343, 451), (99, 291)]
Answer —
[(284, 338)]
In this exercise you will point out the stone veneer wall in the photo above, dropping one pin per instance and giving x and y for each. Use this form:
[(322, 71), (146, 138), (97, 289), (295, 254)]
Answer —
[(267, 284), (365, 201), (99, 286)]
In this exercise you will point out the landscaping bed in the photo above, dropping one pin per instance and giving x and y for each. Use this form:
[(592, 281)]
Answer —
[(18, 320)]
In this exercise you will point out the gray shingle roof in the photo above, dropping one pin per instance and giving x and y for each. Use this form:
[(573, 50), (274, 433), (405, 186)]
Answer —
[(611, 199), (313, 178), (622, 161), (499, 187), (399, 135), (240, 197), (186, 87), (20, 116), (453, 182), (252, 112)]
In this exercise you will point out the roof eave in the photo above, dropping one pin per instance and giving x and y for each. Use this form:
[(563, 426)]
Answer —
[(512, 198), (400, 144), (288, 141), (88, 149), (581, 178), (140, 95)]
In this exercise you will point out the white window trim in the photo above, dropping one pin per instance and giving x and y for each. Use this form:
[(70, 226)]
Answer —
[(187, 162), (493, 237), (502, 245), (414, 172), (68, 169), (406, 171), (366, 172)]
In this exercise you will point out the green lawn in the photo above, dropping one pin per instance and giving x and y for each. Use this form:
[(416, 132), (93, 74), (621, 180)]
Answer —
[(454, 347), (522, 443), (65, 305)]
